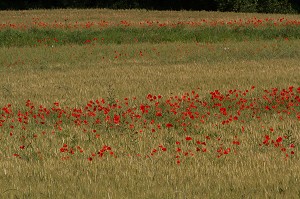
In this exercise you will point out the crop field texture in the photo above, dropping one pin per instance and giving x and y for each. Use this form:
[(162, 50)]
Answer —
[(149, 104)]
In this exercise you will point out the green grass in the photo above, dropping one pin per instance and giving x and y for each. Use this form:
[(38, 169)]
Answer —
[(127, 35), (59, 58)]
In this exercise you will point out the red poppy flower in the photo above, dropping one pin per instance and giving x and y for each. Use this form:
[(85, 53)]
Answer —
[(169, 125), (279, 139), (188, 138)]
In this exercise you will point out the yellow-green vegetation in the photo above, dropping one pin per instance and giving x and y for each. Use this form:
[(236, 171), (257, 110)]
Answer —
[(135, 16), (35, 165), (119, 28)]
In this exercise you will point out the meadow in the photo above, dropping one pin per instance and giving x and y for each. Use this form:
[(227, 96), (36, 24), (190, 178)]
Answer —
[(149, 104)]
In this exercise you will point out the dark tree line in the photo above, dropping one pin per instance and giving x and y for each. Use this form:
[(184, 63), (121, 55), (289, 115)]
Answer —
[(267, 6)]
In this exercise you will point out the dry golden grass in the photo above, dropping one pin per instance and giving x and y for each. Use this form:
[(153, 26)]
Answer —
[(255, 177), (46, 74), (134, 16), (73, 75)]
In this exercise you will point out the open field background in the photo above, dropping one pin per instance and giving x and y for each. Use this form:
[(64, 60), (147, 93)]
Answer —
[(119, 27), (116, 16), (43, 161), (45, 74)]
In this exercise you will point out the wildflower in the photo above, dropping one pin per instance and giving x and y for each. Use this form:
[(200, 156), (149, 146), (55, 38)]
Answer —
[(188, 138), (279, 139), (169, 125)]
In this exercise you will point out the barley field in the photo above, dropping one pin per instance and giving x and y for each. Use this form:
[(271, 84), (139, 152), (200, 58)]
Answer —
[(149, 104)]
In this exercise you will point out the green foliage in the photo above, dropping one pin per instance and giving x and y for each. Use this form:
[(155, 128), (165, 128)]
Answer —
[(262, 6), (120, 35), (275, 6)]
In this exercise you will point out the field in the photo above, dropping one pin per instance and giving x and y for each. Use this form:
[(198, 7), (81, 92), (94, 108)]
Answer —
[(149, 104)]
